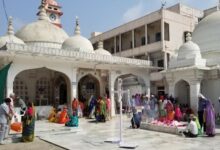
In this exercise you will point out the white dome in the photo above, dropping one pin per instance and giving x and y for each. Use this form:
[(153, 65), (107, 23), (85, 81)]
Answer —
[(102, 51), (207, 33), (78, 42), (9, 37), (42, 33), (189, 50)]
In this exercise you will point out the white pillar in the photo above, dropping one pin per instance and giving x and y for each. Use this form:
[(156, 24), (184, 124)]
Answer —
[(12, 72), (120, 45), (111, 91), (147, 84), (171, 89), (74, 84), (115, 45), (146, 40), (163, 39), (165, 60), (9, 85), (194, 92), (132, 38)]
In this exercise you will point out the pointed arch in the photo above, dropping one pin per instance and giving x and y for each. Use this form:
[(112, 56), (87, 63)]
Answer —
[(182, 92)]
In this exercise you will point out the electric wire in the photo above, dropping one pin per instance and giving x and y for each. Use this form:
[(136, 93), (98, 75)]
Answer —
[(5, 10)]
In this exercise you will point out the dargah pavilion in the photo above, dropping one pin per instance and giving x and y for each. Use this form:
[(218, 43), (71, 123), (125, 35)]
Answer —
[(50, 67)]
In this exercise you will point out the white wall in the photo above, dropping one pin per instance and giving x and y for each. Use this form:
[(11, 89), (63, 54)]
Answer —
[(211, 90)]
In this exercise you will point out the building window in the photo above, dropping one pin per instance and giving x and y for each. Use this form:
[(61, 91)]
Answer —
[(112, 50), (20, 89), (160, 63), (143, 41), (148, 39), (158, 37), (131, 44), (160, 90), (117, 48), (42, 91)]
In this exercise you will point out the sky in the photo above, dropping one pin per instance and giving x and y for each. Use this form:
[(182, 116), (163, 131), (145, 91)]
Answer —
[(94, 15)]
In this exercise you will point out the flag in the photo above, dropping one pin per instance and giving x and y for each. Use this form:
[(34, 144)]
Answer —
[(3, 79)]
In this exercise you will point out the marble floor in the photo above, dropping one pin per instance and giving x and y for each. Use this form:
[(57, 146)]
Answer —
[(91, 135)]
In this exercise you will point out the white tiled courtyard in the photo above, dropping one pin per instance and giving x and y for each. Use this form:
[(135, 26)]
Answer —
[(91, 136)]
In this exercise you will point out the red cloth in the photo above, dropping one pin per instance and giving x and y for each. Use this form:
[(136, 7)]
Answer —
[(75, 104), (16, 126), (178, 113), (63, 117), (161, 97), (30, 111), (108, 104)]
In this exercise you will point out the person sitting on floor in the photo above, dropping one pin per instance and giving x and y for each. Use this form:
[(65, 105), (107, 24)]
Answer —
[(63, 116), (136, 119), (52, 116), (58, 112), (73, 120), (192, 128)]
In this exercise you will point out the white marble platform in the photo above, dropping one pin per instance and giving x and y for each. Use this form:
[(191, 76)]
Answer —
[(91, 136)]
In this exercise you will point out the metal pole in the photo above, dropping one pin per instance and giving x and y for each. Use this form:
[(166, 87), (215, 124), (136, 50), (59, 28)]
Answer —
[(120, 102), (120, 118)]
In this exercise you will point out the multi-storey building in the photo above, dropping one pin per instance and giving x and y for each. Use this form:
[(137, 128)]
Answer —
[(155, 37)]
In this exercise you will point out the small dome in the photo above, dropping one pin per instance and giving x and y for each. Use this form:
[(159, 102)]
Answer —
[(207, 33), (102, 51), (9, 37), (189, 49), (78, 42), (42, 32)]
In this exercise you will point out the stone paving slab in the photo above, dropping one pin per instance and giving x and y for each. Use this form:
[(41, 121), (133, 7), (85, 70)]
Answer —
[(92, 136)]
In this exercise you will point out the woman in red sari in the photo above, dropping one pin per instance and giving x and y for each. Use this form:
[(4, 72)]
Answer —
[(28, 123)]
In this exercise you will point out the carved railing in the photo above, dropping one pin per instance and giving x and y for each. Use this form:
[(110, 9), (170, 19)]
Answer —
[(75, 54)]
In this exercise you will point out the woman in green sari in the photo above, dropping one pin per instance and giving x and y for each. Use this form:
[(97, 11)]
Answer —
[(28, 123)]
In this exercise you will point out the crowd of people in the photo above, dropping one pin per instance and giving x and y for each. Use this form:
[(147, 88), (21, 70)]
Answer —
[(98, 109), (166, 109), (7, 112), (162, 109)]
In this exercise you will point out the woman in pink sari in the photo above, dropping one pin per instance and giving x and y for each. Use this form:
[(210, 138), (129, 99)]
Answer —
[(178, 113)]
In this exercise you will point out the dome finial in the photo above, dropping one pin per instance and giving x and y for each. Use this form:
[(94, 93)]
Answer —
[(42, 13), (10, 26), (100, 45), (188, 37), (77, 29)]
